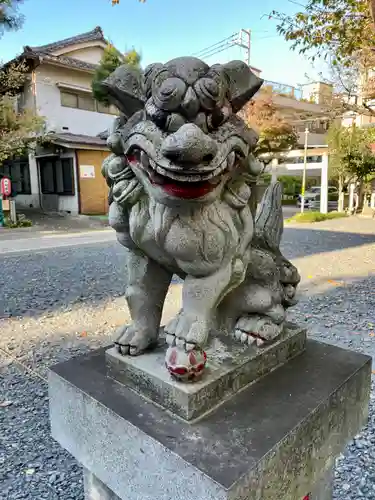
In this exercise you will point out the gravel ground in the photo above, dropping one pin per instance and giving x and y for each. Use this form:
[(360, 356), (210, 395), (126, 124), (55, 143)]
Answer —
[(60, 303)]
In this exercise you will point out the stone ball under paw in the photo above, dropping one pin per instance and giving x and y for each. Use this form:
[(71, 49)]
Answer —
[(185, 366)]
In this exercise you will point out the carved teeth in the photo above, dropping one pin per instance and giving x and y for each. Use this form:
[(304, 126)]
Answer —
[(231, 159), (251, 340), (145, 160), (244, 338), (260, 342)]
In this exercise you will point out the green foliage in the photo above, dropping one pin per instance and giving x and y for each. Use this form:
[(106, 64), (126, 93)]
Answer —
[(132, 58), (110, 61), (10, 18), (329, 28), (291, 184), (351, 156), (18, 127), (308, 217), (19, 224)]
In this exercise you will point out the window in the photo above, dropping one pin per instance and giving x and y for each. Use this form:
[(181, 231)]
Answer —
[(69, 100), (102, 108), (57, 176), (18, 171), (85, 101)]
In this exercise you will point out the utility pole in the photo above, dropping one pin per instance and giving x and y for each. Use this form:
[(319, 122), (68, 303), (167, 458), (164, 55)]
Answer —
[(244, 41), (304, 171)]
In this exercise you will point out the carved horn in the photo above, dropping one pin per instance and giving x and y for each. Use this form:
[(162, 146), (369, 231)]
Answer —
[(243, 83), (125, 89)]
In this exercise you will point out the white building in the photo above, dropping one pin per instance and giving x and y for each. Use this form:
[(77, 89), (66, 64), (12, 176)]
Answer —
[(59, 89)]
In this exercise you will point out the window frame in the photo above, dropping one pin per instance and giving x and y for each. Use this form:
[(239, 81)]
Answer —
[(110, 110), (55, 163), (25, 180)]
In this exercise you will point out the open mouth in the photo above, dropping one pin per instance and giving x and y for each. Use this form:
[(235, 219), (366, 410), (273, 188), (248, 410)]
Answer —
[(183, 183)]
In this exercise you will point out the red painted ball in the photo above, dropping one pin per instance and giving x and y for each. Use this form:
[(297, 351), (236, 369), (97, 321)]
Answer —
[(185, 366)]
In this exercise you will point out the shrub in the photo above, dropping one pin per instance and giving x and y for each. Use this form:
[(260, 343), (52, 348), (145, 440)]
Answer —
[(307, 217), (20, 223)]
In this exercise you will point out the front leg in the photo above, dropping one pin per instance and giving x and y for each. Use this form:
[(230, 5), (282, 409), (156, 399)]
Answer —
[(200, 298), (147, 285)]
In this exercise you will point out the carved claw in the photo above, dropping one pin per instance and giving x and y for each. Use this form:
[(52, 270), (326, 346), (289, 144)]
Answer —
[(187, 333), (133, 342), (257, 329)]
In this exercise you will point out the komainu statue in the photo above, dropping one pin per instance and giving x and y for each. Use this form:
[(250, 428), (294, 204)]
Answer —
[(180, 180)]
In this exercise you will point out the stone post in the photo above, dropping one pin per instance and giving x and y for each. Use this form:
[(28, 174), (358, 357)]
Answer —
[(274, 172), (324, 185)]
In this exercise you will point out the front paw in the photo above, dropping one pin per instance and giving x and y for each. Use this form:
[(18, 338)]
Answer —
[(187, 332), (133, 341)]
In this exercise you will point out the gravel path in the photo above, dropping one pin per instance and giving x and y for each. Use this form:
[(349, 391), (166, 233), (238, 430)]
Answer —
[(60, 303)]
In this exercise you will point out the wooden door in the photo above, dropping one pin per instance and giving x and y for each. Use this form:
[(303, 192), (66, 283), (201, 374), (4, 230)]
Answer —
[(92, 186)]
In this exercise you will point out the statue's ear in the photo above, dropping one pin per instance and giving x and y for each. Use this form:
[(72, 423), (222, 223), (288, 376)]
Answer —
[(149, 74), (243, 83), (125, 89)]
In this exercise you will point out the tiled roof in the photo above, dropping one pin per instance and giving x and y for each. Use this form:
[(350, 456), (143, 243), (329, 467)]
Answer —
[(67, 138), (90, 36), (65, 61), (44, 52)]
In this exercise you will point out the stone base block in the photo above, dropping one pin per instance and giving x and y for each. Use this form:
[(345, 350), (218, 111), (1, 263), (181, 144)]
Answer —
[(230, 367), (96, 489), (275, 439)]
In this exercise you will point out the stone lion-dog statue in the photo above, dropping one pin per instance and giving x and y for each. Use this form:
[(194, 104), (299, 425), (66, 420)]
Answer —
[(180, 177)]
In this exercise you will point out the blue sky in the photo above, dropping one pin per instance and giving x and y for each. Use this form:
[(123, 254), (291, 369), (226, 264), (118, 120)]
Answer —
[(163, 29)]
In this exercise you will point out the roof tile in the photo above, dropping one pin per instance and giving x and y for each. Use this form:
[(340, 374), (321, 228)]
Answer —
[(95, 34)]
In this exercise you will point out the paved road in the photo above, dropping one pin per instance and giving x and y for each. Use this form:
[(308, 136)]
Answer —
[(35, 241), (61, 295)]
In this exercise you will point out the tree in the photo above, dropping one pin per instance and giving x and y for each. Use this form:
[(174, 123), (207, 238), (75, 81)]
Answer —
[(111, 60), (18, 127), (329, 28), (276, 135), (10, 18), (351, 156)]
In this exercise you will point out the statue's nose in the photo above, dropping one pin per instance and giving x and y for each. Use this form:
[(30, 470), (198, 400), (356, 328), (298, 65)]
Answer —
[(189, 145)]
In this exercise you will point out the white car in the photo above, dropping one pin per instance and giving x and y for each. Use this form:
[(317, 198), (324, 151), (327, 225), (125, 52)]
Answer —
[(312, 197)]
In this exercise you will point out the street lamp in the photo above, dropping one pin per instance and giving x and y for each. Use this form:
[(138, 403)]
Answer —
[(304, 171)]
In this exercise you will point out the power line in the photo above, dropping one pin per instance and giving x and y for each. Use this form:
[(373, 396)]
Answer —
[(211, 47), (241, 39)]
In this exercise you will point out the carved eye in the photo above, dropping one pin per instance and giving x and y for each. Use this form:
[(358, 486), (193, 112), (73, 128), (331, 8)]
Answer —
[(208, 92), (174, 122), (158, 116), (218, 117), (169, 94)]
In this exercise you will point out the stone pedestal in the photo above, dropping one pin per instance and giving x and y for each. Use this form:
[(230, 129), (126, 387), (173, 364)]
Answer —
[(275, 438)]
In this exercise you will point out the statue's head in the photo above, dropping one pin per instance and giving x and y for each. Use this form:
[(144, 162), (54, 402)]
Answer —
[(183, 139)]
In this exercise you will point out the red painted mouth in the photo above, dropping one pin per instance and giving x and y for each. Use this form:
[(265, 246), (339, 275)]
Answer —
[(187, 191)]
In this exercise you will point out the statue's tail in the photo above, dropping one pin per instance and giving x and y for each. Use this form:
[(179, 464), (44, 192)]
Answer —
[(269, 222)]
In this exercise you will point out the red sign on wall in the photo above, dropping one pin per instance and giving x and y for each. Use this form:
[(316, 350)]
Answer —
[(6, 186)]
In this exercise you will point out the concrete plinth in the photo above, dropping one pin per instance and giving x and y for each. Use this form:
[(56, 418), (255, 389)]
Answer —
[(231, 366), (275, 439)]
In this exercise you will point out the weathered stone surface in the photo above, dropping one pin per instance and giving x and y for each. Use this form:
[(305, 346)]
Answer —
[(180, 194), (230, 367), (323, 489), (96, 489), (273, 440)]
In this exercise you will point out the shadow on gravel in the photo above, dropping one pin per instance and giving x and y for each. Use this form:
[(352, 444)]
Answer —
[(301, 242)]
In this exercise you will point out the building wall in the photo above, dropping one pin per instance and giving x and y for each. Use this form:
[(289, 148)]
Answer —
[(88, 54), (70, 204), (27, 201), (34, 200), (93, 191), (60, 118)]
